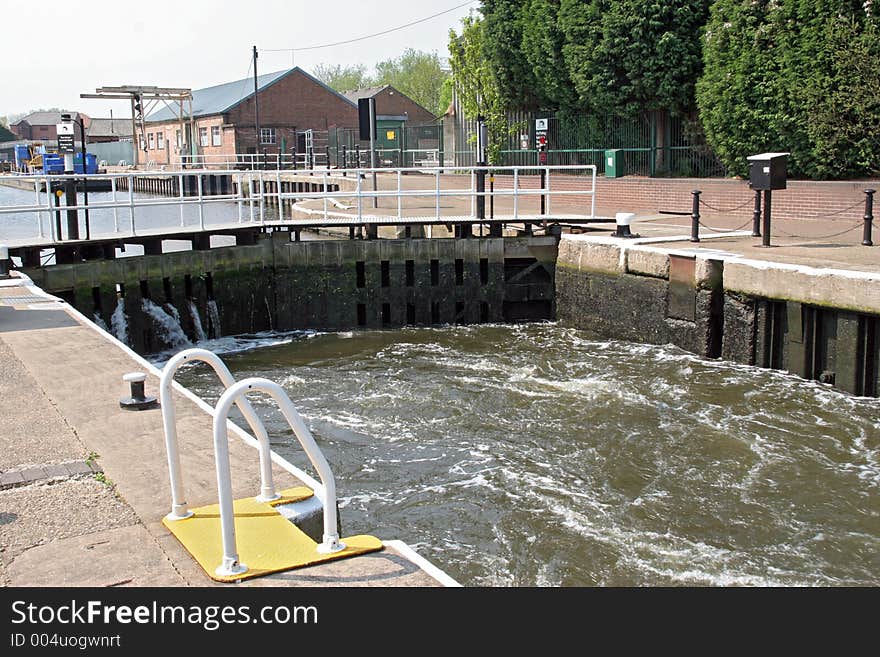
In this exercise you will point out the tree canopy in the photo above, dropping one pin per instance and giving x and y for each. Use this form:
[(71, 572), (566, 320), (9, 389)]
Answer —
[(784, 75), (419, 75)]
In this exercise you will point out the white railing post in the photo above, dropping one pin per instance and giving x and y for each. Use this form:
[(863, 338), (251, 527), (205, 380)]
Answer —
[(131, 202), (201, 204), (239, 196), (399, 196), (55, 238), (516, 193), (262, 199), (593, 204), (278, 189), (115, 208), (473, 193), (324, 180), (180, 198), (437, 194), (39, 213), (360, 198)]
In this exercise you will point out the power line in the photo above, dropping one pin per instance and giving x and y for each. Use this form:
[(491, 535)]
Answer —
[(370, 36)]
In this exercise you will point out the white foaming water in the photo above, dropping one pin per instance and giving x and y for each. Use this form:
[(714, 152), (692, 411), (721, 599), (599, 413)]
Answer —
[(196, 321), (168, 326), (119, 322), (100, 321), (214, 319)]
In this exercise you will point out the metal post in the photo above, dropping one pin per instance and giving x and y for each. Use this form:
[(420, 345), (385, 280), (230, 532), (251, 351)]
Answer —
[(201, 206), (543, 173), (82, 129), (115, 209), (280, 200), (39, 212), (869, 216), (768, 199), (756, 217), (695, 217), (344, 161), (373, 152), (131, 203), (256, 104), (180, 200)]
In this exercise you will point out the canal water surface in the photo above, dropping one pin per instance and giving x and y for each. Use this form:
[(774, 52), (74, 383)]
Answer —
[(536, 456)]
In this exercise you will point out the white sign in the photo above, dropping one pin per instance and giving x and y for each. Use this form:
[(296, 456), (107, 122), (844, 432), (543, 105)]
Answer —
[(541, 125), (64, 128)]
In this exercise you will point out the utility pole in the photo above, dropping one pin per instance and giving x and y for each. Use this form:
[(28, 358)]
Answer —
[(256, 104)]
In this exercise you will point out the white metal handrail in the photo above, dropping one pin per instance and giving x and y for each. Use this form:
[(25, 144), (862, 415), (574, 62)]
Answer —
[(179, 506), (250, 187), (231, 565)]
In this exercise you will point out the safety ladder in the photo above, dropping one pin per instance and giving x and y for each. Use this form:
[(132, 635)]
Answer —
[(234, 395)]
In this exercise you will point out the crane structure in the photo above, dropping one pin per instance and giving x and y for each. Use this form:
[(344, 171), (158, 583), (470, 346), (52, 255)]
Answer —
[(143, 100)]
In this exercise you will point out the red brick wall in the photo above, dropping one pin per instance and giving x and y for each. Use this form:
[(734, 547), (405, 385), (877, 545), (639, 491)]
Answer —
[(294, 103), (391, 102), (802, 200)]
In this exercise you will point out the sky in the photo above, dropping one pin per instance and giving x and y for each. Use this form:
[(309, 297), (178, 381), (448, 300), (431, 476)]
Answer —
[(68, 48)]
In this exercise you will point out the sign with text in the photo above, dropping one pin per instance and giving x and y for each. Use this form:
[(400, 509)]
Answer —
[(66, 138)]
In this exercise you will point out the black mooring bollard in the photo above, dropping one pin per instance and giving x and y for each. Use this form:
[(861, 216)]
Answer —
[(756, 217), (869, 217), (695, 217)]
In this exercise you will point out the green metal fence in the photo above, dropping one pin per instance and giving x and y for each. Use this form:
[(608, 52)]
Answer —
[(652, 145)]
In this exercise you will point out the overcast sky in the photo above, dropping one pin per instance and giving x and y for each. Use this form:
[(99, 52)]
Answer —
[(53, 51)]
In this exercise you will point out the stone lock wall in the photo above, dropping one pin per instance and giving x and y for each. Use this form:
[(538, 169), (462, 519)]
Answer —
[(819, 324)]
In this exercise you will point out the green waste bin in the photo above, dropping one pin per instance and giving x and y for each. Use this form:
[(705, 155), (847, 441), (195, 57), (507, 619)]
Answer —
[(614, 164)]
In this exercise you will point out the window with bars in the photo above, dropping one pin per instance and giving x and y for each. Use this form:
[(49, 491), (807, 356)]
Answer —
[(151, 139), (267, 135), (160, 141), (203, 137), (216, 139)]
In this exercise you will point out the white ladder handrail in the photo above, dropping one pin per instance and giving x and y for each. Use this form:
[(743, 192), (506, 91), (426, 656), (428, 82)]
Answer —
[(331, 543), (179, 507)]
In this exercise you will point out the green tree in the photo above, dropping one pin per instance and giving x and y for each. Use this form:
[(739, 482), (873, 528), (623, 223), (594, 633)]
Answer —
[(542, 47), (343, 78), (842, 122), (740, 81), (792, 76), (502, 24), (417, 74), (475, 84)]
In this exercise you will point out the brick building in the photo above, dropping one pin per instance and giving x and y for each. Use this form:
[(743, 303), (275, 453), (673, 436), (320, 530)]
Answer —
[(393, 105), (223, 118), (42, 126)]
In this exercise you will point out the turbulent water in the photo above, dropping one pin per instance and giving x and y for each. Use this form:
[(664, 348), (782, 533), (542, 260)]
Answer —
[(533, 455)]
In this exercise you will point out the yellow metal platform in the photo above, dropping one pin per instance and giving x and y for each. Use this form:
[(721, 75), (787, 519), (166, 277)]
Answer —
[(267, 542)]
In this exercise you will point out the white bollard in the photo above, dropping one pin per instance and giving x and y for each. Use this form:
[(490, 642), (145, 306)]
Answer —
[(4, 261), (624, 221)]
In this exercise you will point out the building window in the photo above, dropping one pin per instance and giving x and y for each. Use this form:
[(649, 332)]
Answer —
[(267, 135), (177, 136), (160, 141), (215, 136), (203, 137), (152, 139)]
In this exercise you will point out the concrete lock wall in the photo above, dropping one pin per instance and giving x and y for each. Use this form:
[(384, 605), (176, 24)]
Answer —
[(819, 324), (278, 284)]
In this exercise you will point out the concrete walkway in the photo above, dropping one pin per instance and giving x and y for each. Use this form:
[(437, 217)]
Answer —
[(60, 382)]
